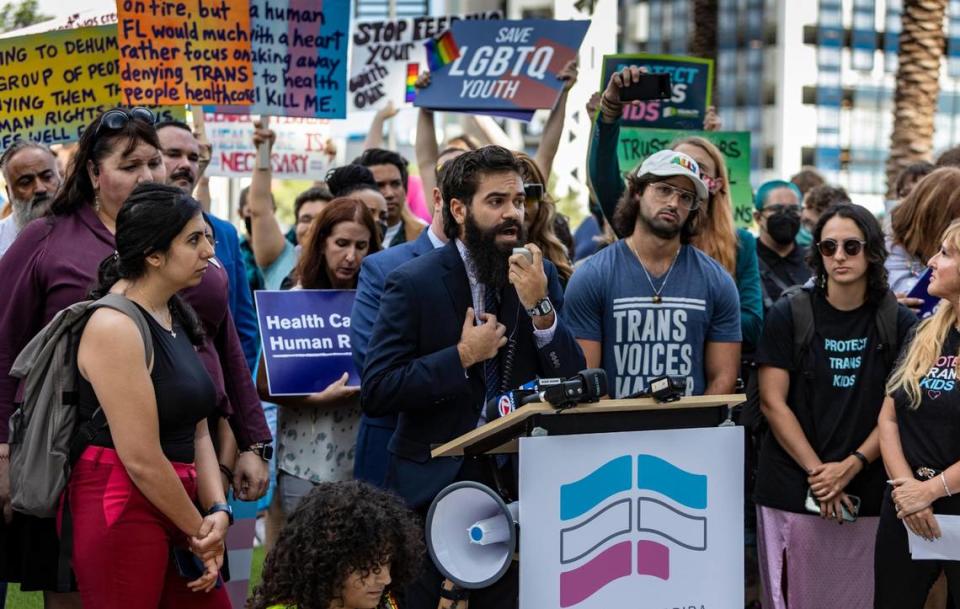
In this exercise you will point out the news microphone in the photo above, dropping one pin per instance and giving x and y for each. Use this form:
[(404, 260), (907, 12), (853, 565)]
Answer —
[(587, 386), (504, 404)]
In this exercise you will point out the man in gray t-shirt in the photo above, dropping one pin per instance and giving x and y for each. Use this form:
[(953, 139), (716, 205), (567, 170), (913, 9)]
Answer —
[(651, 305)]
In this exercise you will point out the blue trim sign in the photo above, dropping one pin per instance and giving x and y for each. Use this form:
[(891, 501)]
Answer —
[(305, 336)]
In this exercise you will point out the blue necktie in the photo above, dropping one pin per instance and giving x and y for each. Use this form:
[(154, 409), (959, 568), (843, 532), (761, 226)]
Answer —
[(491, 367)]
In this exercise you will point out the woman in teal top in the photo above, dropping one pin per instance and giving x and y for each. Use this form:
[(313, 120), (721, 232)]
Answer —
[(734, 248)]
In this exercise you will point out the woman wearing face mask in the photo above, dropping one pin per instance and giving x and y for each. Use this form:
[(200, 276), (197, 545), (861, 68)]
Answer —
[(782, 261), (341, 236), (821, 401), (52, 265)]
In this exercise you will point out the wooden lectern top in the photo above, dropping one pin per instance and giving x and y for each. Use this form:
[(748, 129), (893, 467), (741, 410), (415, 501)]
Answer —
[(515, 419)]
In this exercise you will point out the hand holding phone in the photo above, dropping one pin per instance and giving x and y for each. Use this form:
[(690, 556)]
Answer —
[(812, 505), (648, 87)]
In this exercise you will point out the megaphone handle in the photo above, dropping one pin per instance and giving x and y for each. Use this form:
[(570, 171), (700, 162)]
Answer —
[(498, 481)]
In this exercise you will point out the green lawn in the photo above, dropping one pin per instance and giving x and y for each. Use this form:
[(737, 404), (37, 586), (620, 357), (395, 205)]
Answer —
[(34, 600)]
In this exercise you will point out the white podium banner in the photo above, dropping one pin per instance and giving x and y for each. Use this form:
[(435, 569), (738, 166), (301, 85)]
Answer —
[(632, 520)]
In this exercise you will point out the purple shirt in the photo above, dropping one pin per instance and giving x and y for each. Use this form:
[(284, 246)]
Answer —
[(53, 264)]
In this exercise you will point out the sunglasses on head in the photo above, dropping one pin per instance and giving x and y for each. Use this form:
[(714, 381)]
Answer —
[(713, 184), (851, 247), (118, 118)]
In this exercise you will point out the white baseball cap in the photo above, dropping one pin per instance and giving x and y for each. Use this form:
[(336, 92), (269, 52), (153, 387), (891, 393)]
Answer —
[(667, 163)]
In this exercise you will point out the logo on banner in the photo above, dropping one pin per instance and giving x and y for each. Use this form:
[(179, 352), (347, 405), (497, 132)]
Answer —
[(613, 515)]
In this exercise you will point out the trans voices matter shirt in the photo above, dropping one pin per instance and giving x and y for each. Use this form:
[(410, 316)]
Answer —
[(610, 300)]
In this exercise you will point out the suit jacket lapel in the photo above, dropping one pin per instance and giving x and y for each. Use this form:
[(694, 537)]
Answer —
[(455, 279)]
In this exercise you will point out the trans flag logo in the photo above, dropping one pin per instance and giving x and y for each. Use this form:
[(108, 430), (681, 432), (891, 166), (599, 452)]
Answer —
[(620, 522)]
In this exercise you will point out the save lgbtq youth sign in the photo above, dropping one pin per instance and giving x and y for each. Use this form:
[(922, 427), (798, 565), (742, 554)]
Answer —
[(691, 80), (504, 65), (306, 339)]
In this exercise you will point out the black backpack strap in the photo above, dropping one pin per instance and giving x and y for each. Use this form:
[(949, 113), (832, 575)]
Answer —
[(801, 310), (886, 319)]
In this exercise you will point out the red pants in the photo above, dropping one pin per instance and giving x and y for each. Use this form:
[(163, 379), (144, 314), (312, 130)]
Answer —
[(121, 542)]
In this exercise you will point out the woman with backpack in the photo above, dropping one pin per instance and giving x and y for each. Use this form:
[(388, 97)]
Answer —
[(134, 493), (918, 429), (823, 359)]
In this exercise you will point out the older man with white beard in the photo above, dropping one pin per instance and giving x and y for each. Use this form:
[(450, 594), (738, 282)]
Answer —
[(33, 178)]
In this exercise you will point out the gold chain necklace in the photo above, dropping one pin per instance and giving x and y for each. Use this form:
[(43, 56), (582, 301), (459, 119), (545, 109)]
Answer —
[(657, 299)]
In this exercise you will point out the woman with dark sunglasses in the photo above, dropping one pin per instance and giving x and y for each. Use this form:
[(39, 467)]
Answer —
[(819, 466)]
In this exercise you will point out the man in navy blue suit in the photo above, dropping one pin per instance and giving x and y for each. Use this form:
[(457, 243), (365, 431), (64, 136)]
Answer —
[(440, 342), (370, 462)]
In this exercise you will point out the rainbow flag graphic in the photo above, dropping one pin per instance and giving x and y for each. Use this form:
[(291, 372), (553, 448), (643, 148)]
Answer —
[(441, 51), (413, 71)]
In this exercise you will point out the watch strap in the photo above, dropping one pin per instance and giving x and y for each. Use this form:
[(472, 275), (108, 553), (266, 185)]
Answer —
[(454, 594), (221, 507)]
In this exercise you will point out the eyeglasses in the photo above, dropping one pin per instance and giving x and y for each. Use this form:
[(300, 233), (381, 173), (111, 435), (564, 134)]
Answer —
[(663, 192), (851, 247), (118, 118), (713, 184)]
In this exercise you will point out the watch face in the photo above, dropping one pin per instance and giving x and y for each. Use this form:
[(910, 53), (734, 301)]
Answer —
[(267, 452)]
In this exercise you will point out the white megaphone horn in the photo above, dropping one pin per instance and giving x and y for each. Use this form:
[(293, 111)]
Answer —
[(471, 534)]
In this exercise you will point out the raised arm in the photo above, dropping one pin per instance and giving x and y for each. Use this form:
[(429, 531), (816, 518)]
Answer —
[(553, 128), (375, 134), (267, 238), (426, 147)]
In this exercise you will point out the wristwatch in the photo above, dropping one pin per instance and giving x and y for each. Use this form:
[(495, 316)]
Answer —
[(543, 307), (264, 450), (221, 507)]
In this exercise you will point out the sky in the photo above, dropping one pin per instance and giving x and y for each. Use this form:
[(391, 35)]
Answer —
[(60, 8)]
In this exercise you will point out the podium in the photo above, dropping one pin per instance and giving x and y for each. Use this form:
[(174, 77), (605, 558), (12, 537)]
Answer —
[(623, 500)]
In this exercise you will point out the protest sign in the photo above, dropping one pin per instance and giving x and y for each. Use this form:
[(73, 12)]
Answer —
[(637, 144), (505, 65), (298, 153), (185, 51), (305, 336), (299, 58), (381, 51), (692, 82), (54, 83)]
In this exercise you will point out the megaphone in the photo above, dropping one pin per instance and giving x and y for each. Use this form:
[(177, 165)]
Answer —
[(471, 534)]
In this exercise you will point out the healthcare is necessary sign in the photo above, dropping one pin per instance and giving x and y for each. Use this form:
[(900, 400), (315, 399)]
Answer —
[(607, 519), (306, 339), (691, 79), (637, 144), (505, 65), (298, 154)]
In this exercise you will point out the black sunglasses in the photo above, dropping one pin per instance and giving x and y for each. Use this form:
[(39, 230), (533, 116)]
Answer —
[(851, 247), (118, 118), (533, 192)]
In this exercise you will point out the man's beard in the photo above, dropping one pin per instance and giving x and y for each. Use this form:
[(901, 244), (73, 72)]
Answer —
[(25, 212), (490, 259), (659, 228)]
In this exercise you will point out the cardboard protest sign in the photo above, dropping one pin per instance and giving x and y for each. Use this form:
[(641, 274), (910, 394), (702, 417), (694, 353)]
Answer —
[(381, 51), (306, 339), (637, 144), (53, 84), (299, 58), (692, 82), (298, 153), (505, 65), (185, 51)]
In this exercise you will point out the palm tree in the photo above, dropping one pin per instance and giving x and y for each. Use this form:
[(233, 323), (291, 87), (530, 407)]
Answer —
[(703, 40), (918, 86)]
